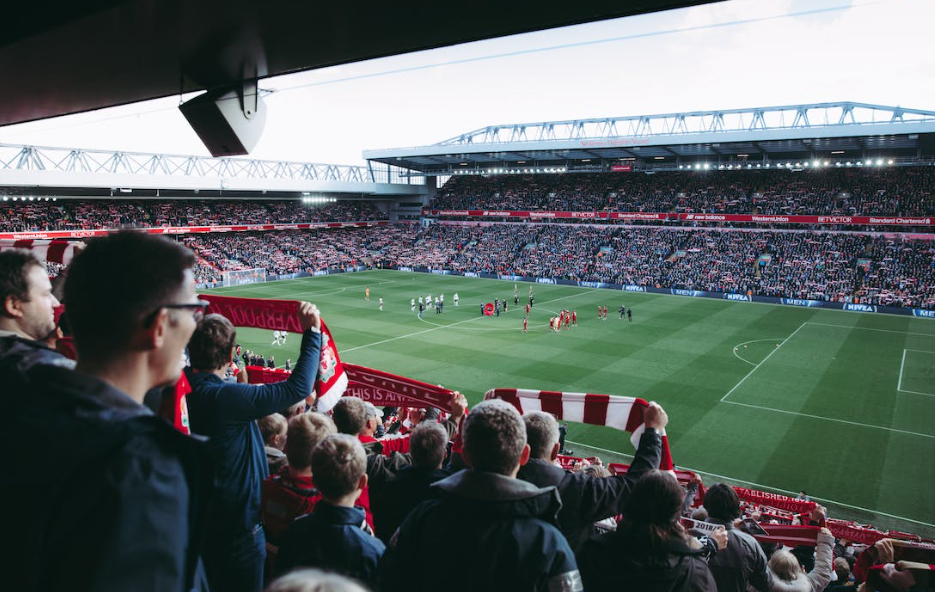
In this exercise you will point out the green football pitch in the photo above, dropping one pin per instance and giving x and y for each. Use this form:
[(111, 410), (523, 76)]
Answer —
[(839, 404)]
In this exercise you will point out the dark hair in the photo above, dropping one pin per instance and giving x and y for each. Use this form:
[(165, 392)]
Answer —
[(116, 282), (212, 343), (721, 502), (338, 463), (494, 436), (14, 267), (306, 431), (349, 415), (541, 434), (428, 444), (651, 515)]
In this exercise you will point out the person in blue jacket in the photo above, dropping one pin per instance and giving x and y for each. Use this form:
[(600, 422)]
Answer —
[(226, 412)]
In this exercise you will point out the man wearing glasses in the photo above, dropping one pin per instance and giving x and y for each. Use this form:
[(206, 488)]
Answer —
[(226, 413), (109, 497)]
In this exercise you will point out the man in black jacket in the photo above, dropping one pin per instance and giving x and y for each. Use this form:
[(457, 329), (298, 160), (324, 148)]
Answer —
[(587, 499), (393, 501), (488, 530), (109, 496)]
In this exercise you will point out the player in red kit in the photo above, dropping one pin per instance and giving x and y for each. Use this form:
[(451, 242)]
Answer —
[(567, 318), (527, 310), (525, 323), (599, 311), (605, 313), (574, 318)]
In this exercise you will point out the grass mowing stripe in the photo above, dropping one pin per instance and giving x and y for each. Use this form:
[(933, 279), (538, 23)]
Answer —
[(775, 349)]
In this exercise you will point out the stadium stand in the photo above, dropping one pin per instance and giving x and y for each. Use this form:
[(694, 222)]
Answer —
[(902, 191), (840, 267), (32, 216)]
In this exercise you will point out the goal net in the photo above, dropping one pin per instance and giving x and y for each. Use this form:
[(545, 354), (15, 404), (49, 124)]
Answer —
[(243, 276)]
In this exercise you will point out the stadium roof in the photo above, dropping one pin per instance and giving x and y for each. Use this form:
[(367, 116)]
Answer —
[(839, 131), (61, 57)]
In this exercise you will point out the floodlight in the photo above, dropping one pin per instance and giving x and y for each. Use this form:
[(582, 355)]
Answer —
[(879, 162), (890, 161)]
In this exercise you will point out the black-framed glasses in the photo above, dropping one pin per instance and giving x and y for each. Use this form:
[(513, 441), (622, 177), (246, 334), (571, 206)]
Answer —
[(197, 308)]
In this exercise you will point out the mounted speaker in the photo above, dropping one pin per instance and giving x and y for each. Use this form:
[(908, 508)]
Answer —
[(229, 122)]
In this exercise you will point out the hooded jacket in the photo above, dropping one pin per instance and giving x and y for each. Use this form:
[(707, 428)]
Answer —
[(109, 497), (616, 561), (485, 532)]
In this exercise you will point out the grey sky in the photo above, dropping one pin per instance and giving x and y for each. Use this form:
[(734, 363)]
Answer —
[(742, 53)]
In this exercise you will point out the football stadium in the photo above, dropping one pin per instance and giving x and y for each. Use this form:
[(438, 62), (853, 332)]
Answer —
[(740, 297)]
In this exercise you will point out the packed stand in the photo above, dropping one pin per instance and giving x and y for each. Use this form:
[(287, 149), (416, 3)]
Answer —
[(331, 492), (825, 266), (112, 213), (849, 192)]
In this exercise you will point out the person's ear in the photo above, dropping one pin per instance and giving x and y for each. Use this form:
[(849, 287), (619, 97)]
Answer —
[(555, 450), (361, 485), (154, 334), (524, 455), (12, 306)]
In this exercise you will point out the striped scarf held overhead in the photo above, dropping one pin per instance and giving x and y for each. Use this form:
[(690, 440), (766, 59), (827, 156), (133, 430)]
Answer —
[(622, 413), (53, 251)]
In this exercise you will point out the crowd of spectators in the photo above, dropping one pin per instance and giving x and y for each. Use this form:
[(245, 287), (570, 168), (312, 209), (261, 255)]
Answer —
[(826, 266), (465, 499), (29, 216), (849, 192)]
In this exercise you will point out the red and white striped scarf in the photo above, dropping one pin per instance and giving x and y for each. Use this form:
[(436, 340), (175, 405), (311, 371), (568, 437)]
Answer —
[(53, 251), (622, 413)]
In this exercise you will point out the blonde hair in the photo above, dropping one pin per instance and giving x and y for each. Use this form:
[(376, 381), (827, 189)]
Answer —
[(784, 565)]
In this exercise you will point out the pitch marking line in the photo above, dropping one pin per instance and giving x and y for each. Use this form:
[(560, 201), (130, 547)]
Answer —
[(760, 486), (932, 335), (751, 341), (855, 423), (899, 385), (768, 356), (472, 319)]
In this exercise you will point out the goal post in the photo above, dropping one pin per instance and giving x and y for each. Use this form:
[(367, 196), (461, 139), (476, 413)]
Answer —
[(242, 277)]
